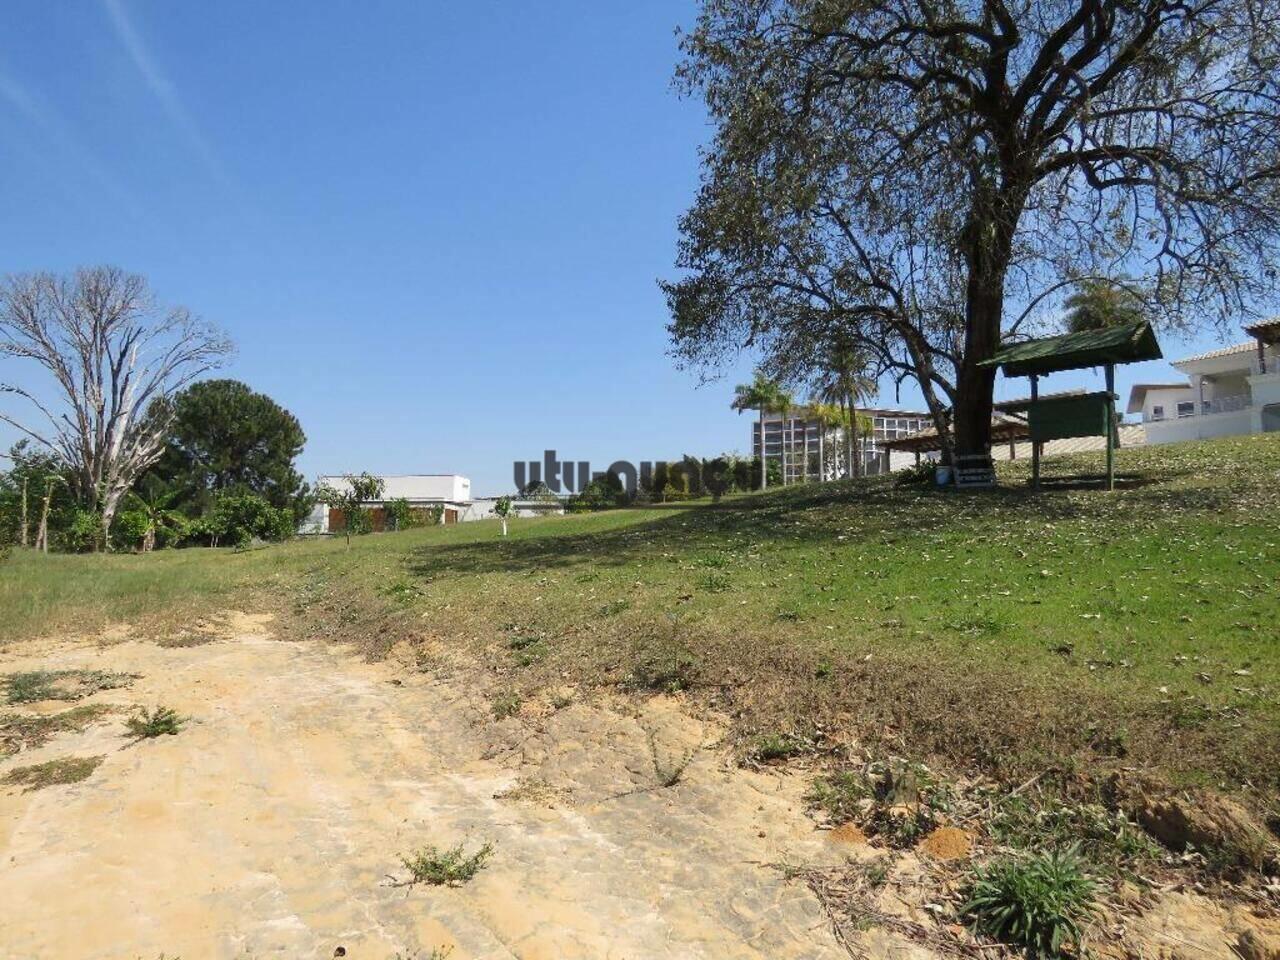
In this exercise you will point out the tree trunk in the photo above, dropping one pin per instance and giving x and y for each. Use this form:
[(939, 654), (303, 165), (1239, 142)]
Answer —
[(855, 448), (24, 511), (42, 536), (990, 243), (764, 463), (149, 538), (786, 432)]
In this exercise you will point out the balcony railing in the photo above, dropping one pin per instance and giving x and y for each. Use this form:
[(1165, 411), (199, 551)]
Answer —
[(1231, 404)]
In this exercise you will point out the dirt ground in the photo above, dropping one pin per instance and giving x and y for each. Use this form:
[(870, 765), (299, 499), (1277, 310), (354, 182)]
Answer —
[(272, 824)]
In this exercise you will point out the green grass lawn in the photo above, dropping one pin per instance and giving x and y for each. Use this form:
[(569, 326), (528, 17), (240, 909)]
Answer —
[(1004, 629)]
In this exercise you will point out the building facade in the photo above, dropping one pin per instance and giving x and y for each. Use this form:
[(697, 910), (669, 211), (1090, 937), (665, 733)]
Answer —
[(448, 492), (1234, 390), (816, 451)]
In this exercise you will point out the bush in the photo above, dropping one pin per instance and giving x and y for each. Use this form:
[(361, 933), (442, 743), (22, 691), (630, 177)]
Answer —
[(445, 867), (149, 724), (238, 519), (1036, 902), (84, 532), (128, 528)]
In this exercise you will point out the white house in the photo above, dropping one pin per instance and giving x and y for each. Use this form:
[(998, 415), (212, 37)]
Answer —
[(1229, 391), (449, 492)]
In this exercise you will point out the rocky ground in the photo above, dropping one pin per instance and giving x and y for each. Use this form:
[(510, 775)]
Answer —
[(273, 824)]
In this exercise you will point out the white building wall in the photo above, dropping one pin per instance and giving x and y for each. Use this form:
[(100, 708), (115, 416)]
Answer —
[(1201, 427)]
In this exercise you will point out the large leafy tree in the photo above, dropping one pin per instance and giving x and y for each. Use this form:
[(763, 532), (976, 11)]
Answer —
[(930, 175), (227, 438)]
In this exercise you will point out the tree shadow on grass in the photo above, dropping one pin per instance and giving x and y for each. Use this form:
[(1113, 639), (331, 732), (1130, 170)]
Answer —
[(847, 515)]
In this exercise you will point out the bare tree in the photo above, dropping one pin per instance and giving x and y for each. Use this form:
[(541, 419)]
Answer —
[(930, 174), (114, 357)]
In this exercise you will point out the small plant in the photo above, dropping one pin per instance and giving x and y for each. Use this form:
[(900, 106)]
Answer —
[(53, 772), (713, 582), (667, 670), (668, 771), (445, 867), (614, 607), (148, 724), (840, 795), (506, 704), (775, 746), (1037, 903)]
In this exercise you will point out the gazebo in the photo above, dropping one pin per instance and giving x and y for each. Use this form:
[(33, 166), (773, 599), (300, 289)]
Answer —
[(1074, 414)]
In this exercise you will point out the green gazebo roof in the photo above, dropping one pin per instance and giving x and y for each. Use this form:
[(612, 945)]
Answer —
[(1071, 351)]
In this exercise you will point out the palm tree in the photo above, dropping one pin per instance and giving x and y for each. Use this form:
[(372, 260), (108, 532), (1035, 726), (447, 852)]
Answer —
[(766, 396), (845, 380), (1099, 304), (155, 508)]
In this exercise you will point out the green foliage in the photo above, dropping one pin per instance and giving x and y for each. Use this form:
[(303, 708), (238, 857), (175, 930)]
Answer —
[(1106, 840), (449, 867), (1098, 304), (239, 519), (84, 532), (228, 439), (603, 493), (399, 515), (503, 507), (36, 472), (159, 722), (350, 501), (1034, 902)]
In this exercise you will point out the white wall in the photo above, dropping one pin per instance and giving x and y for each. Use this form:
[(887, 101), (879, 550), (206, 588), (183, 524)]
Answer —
[(1202, 427), (442, 487)]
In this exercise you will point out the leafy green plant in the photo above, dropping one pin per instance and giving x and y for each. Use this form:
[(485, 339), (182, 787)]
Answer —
[(160, 722), (1107, 841), (449, 867), (841, 795), (1034, 902)]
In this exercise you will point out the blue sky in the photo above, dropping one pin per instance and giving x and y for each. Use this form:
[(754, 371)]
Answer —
[(433, 230)]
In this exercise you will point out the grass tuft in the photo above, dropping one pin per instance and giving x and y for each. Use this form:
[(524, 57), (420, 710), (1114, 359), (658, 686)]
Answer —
[(1036, 903)]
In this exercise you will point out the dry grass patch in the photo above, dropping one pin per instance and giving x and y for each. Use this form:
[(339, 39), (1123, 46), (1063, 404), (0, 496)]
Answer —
[(33, 686), (53, 773), (20, 732)]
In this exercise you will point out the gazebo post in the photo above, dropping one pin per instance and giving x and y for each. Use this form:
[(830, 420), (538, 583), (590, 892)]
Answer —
[(1111, 426), (1035, 447)]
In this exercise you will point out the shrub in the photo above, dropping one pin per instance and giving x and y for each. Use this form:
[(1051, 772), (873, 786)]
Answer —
[(1037, 903), (445, 867), (84, 532), (240, 518), (148, 724)]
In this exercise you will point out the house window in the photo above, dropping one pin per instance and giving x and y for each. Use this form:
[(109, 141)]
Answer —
[(1157, 412), (1186, 408)]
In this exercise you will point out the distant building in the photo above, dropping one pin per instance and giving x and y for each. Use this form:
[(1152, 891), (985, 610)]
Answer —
[(449, 492), (1233, 390), (815, 451)]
